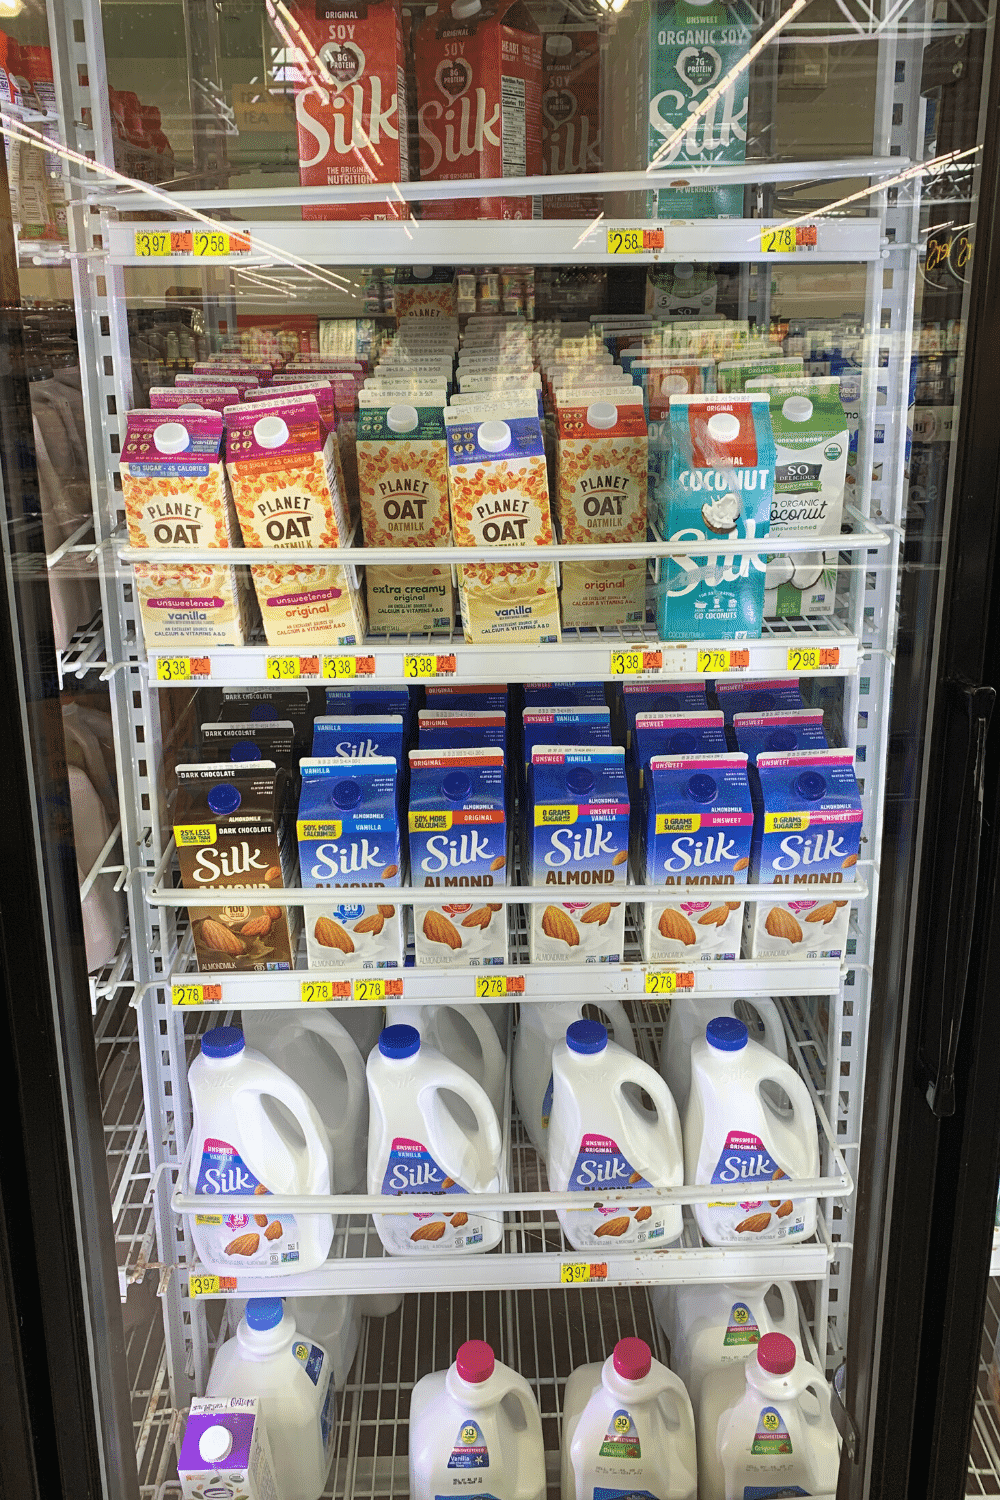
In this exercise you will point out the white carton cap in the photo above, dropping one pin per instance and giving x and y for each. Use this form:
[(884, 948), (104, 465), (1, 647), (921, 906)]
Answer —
[(602, 414), (171, 437), (270, 432), (494, 436), (558, 44), (401, 418), (684, 270), (724, 427), (215, 1444), (797, 409)]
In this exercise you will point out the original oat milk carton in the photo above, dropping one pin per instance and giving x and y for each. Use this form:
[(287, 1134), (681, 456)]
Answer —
[(232, 828), (720, 488), (348, 837), (350, 99), (499, 492), (576, 843), (284, 477), (403, 480), (177, 497), (458, 842), (696, 826), (807, 838)]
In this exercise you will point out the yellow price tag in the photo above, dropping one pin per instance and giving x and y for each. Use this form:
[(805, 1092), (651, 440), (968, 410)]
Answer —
[(667, 981), (369, 991), (579, 1270), (173, 668), (196, 994), (710, 663), (780, 241), (316, 991), (340, 667), (634, 241), (210, 1286), (812, 658), (153, 242), (419, 666), (626, 663), (282, 668), (491, 986)]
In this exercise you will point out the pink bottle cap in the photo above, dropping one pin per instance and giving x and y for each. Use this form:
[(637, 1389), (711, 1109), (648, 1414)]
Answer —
[(776, 1354), (632, 1359), (474, 1361)]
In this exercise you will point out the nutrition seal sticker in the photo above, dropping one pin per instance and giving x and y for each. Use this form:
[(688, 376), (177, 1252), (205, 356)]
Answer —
[(470, 1450), (621, 1439), (771, 1435), (742, 1327)]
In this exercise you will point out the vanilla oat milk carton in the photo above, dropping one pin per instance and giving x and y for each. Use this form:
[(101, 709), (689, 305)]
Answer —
[(807, 838), (348, 836), (697, 822), (576, 840), (458, 842)]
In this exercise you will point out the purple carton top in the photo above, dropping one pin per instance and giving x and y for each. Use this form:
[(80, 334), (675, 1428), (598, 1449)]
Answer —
[(279, 428), (192, 398), (182, 440), (239, 1425)]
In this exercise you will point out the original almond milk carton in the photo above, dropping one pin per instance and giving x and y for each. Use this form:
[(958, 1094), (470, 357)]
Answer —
[(576, 840), (458, 842), (806, 840), (348, 836), (403, 479), (177, 497), (284, 478), (499, 491)]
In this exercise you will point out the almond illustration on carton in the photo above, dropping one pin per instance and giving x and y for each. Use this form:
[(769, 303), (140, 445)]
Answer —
[(390, 871), (274, 912), (260, 1220), (615, 1228), (634, 1178), (273, 1230), (330, 934), (257, 926), (643, 1213), (215, 935), (620, 857), (732, 905), (558, 925), (272, 875), (448, 1182), (754, 1224), (785, 1209), (824, 913), (243, 1244), (437, 929), (495, 906), (781, 924), (387, 911), (741, 864), (458, 1220), (845, 864), (260, 1190), (498, 863), (373, 924), (717, 917), (598, 913), (432, 1231), (674, 924), (481, 917)]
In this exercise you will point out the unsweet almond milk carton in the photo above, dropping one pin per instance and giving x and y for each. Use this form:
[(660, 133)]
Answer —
[(695, 829), (479, 87), (350, 99), (284, 477), (807, 838), (177, 497), (576, 842), (458, 842), (403, 479), (348, 835)]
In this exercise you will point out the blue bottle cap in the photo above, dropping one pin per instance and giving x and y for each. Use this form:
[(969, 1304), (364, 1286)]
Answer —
[(263, 711), (264, 1312), (223, 1041), (702, 788), (681, 743), (244, 750), (586, 1036), (726, 1034), (456, 786), (810, 785), (760, 702), (782, 739), (346, 793), (579, 781), (224, 798), (399, 1041)]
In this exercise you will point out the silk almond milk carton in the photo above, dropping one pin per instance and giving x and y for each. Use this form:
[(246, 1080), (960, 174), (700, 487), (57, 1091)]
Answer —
[(285, 483), (807, 839), (177, 497), (577, 846), (696, 825), (458, 842), (348, 836), (403, 478)]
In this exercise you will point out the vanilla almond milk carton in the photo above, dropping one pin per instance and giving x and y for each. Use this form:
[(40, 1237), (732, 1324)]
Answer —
[(577, 839), (348, 837), (499, 492), (284, 477), (458, 842), (187, 398), (696, 825), (403, 477), (177, 497), (807, 838)]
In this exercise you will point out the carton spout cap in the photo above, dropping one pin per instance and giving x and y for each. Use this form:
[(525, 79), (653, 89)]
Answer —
[(810, 785), (683, 270), (461, 10), (558, 44), (215, 1444), (401, 418), (797, 409), (171, 437), (456, 786), (270, 432), (493, 436), (346, 793), (724, 427), (602, 414), (579, 781), (224, 798), (702, 787)]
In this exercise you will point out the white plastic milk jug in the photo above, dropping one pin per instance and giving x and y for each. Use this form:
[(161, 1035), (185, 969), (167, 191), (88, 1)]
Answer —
[(628, 1429), (291, 1377), (476, 1423), (432, 1129), (734, 1135), (710, 1327), (687, 1018), (313, 1047), (333, 1322), (363, 1023), (601, 1138), (539, 1027), (466, 1035), (238, 1146), (776, 1436)]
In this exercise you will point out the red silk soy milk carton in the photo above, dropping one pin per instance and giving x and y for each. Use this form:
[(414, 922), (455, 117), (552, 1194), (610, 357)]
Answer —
[(807, 837), (479, 88), (571, 115), (350, 100)]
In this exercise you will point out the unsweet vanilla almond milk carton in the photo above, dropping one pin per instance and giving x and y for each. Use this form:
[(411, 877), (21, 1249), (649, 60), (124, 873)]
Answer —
[(284, 477), (177, 497)]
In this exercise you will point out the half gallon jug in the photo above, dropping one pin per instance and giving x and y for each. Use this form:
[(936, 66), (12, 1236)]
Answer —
[(687, 1018), (539, 1027)]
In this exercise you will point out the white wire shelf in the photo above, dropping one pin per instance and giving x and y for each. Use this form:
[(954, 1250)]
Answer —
[(120, 1080), (995, 1254), (983, 1473)]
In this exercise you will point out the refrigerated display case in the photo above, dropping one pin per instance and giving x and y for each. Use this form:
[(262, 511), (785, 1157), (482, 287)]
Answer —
[(156, 217)]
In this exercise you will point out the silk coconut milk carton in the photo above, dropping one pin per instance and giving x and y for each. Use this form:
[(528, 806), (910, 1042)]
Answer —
[(348, 836), (807, 838), (577, 845), (697, 822), (458, 842), (721, 487)]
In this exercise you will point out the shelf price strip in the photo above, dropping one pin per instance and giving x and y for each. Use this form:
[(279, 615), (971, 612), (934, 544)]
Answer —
[(498, 986), (369, 990), (429, 666), (182, 668), (634, 241), (634, 663), (667, 981), (198, 243), (711, 663), (196, 994), (579, 1270), (210, 1286), (812, 658), (340, 668), (287, 668), (785, 239)]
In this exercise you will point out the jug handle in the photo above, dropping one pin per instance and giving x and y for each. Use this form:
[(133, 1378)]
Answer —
[(673, 1397), (774, 1032), (821, 1390), (799, 1095), (478, 1101), (526, 1484), (789, 1308), (288, 1093), (659, 1091)]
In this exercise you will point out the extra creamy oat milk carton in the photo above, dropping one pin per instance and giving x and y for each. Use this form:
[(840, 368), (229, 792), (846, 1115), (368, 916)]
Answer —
[(403, 479), (807, 838), (348, 836), (458, 842), (696, 826), (720, 489), (284, 477), (232, 828), (177, 497), (577, 844)]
